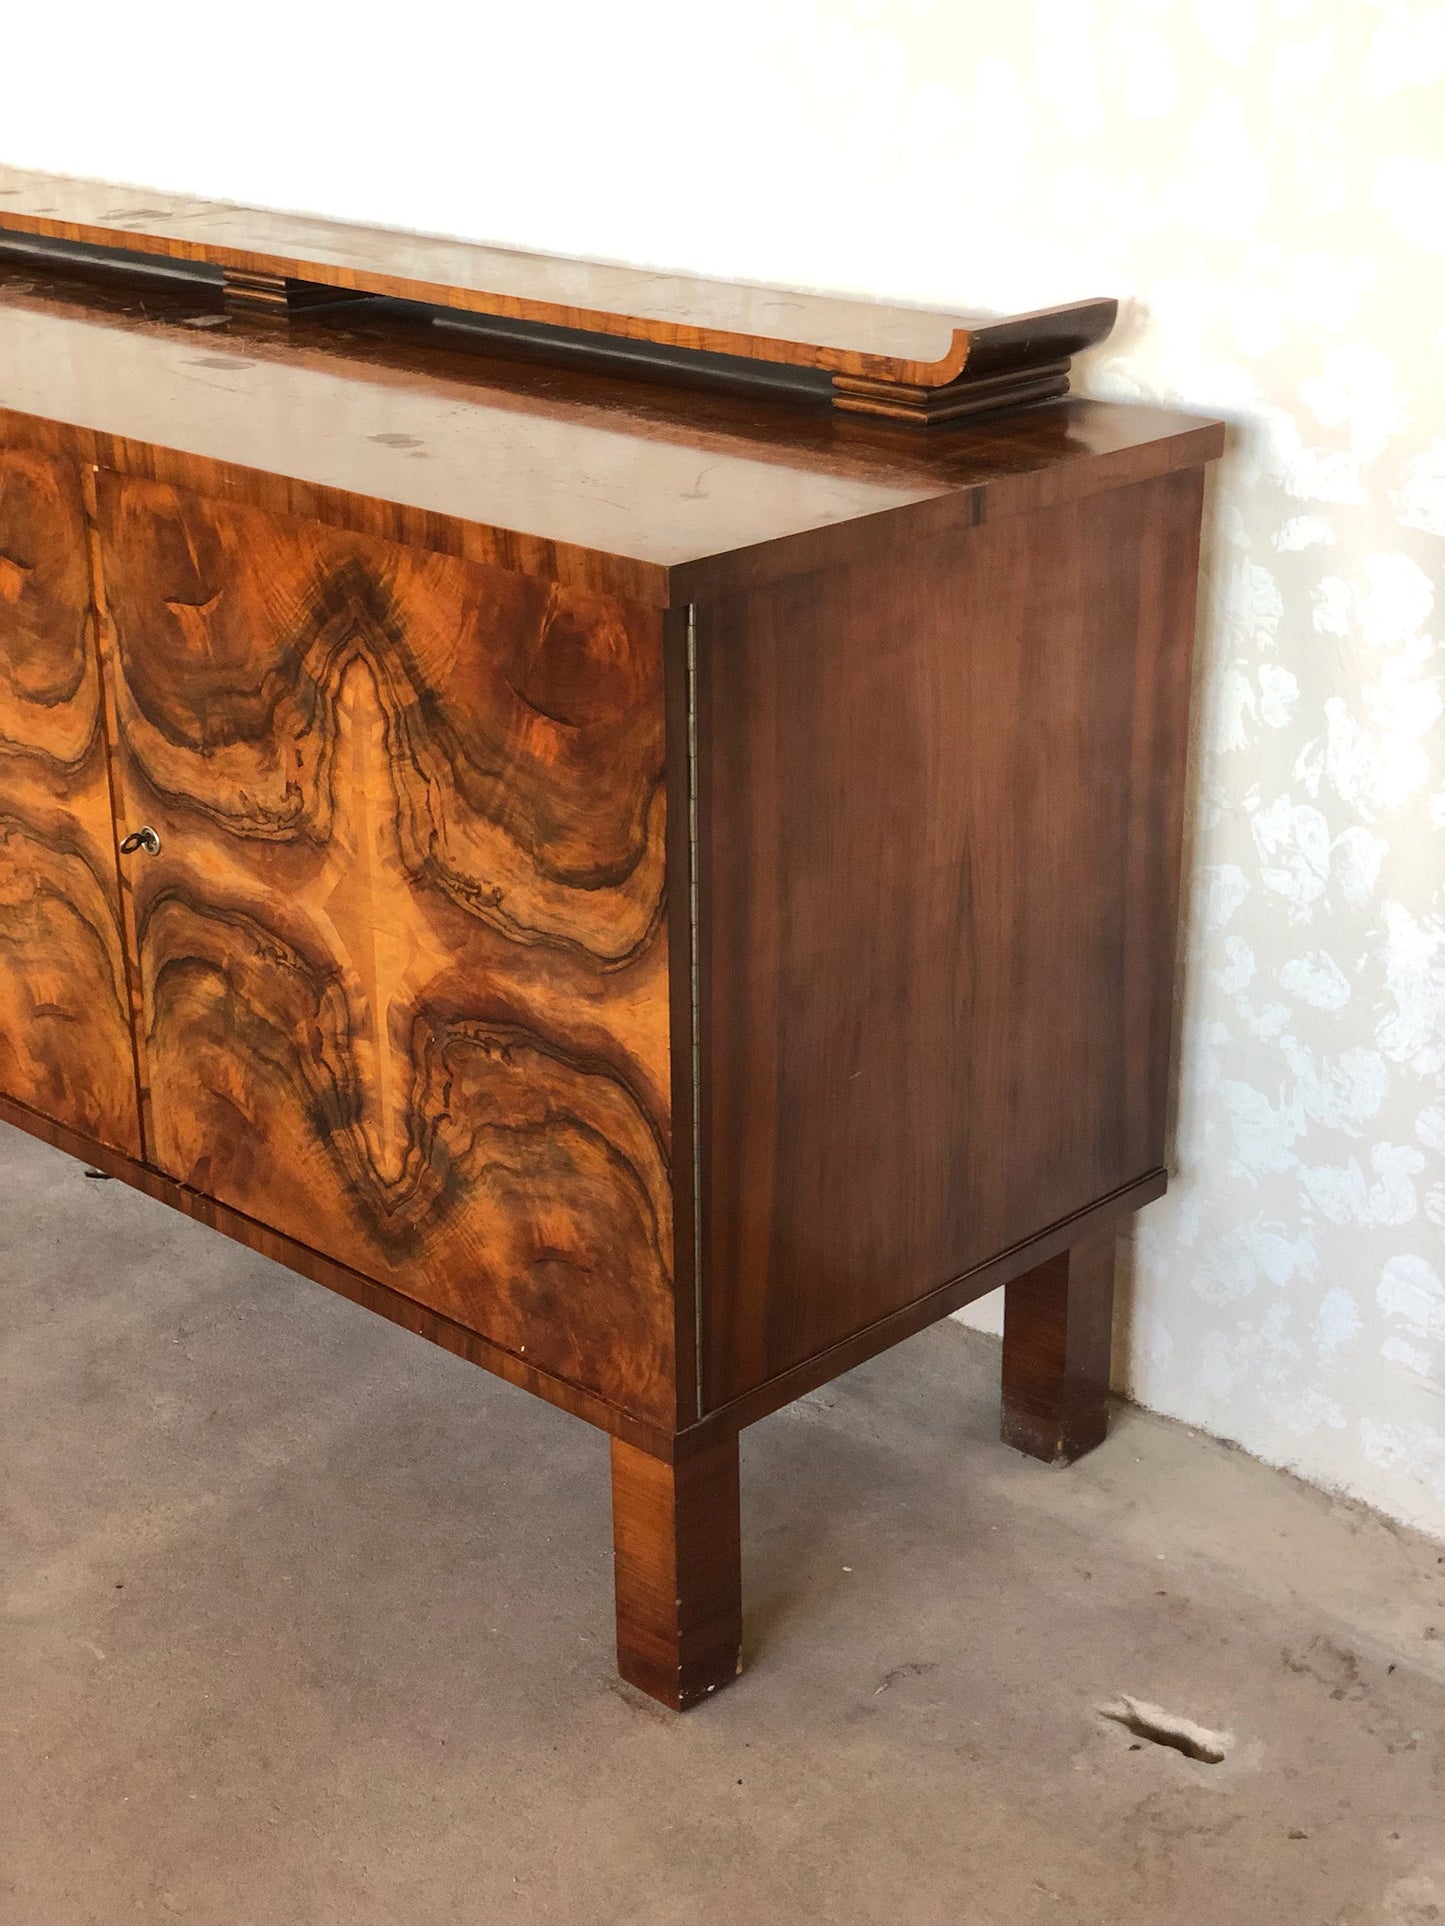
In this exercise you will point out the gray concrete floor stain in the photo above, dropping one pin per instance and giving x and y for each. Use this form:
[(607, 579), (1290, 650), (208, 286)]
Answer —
[(307, 1622)]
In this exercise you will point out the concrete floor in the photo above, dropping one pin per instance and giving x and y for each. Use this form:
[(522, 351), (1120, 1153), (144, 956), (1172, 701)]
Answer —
[(308, 1622)]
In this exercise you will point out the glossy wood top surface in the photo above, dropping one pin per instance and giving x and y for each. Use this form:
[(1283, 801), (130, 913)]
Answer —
[(683, 487), (854, 337)]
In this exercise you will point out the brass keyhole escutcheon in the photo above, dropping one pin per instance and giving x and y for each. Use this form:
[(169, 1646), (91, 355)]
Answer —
[(145, 839)]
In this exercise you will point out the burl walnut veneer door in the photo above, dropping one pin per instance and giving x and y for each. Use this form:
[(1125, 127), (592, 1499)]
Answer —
[(65, 1031), (402, 951)]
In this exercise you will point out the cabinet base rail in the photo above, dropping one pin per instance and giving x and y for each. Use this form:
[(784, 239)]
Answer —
[(675, 1495)]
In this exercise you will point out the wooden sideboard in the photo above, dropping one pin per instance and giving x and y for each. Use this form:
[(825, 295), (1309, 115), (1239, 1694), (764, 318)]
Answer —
[(661, 888)]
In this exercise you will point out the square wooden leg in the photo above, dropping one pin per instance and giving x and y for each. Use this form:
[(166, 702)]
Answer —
[(677, 1551), (1057, 1326)]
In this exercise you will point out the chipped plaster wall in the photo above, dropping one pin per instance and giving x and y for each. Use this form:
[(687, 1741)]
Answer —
[(1263, 181)]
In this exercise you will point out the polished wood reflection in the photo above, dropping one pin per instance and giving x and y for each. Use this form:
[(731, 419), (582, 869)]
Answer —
[(638, 490)]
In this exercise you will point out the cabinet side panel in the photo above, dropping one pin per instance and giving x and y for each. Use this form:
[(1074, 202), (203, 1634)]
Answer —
[(940, 823), (403, 952), (65, 1037)]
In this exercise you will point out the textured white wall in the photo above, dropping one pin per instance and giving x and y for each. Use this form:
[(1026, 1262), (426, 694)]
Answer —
[(1264, 182)]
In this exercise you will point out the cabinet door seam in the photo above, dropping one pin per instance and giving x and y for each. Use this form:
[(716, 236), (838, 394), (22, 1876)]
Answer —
[(102, 643)]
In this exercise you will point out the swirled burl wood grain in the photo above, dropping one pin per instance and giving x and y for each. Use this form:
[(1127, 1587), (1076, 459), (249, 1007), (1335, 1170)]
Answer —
[(65, 1046), (403, 954)]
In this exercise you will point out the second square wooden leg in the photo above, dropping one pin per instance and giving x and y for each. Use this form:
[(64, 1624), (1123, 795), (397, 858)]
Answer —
[(678, 1567), (1057, 1326)]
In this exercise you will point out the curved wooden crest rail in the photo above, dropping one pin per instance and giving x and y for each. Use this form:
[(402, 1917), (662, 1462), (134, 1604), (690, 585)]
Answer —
[(905, 364), (663, 893)]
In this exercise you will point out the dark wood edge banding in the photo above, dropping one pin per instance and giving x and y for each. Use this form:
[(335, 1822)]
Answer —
[(388, 521), (679, 311), (959, 401), (758, 1403), (945, 517), (365, 1291), (276, 297), (911, 1318), (261, 295), (654, 584)]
